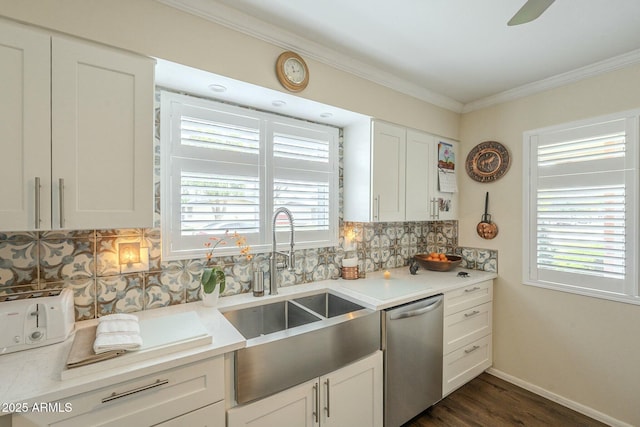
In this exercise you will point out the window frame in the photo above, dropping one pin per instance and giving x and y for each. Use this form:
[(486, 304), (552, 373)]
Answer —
[(170, 156), (630, 285)]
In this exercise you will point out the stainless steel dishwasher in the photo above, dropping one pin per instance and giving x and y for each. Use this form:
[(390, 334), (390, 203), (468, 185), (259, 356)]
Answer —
[(412, 344)]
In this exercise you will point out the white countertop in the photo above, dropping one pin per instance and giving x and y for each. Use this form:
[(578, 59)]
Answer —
[(35, 375)]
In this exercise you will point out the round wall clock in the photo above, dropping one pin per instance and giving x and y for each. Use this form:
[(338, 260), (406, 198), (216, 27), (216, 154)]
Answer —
[(488, 161), (292, 71)]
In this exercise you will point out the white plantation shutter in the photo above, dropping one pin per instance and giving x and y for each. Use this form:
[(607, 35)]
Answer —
[(304, 172), (230, 168), (580, 189)]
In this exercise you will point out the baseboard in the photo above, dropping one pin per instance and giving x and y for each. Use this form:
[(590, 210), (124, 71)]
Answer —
[(578, 407)]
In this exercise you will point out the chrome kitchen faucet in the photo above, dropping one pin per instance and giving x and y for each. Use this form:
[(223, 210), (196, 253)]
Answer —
[(289, 261)]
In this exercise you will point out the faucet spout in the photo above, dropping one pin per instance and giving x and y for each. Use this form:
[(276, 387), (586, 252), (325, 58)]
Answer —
[(289, 262)]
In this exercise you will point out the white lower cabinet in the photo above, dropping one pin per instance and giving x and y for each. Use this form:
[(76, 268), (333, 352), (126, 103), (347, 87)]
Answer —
[(190, 395), (209, 416), (468, 324), (350, 396)]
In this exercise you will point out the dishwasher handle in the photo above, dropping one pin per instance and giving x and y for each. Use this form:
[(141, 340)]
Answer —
[(418, 311)]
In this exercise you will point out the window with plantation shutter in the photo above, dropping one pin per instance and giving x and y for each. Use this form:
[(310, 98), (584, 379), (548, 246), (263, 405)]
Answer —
[(303, 170), (228, 168), (581, 213)]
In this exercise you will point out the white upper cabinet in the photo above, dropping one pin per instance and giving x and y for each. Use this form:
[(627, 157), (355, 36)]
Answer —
[(396, 174), (432, 193), (419, 206), (82, 127), (102, 133), (374, 172), (388, 172), (25, 126)]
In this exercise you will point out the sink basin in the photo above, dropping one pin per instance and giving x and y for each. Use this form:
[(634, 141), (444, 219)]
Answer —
[(292, 341), (269, 318), (328, 305)]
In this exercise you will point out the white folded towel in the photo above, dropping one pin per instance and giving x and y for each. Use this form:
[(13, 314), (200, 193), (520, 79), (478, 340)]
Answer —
[(117, 332)]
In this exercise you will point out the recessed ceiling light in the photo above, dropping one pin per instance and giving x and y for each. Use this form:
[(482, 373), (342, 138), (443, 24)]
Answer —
[(218, 88), (278, 103), (326, 115)]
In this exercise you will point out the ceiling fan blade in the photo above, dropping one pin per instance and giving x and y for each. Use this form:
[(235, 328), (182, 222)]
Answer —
[(529, 11)]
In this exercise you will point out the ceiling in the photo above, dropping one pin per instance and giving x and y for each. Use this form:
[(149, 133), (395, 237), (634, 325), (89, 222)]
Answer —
[(458, 54)]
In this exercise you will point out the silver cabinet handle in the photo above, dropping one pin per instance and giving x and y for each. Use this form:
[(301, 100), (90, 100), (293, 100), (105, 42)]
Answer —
[(317, 405), (61, 199), (376, 215), (115, 395), (472, 349), (328, 399), (475, 288), (434, 209), (473, 313), (37, 202)]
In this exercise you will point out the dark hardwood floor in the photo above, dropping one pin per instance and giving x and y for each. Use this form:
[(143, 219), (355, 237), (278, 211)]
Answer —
[(490, 401)]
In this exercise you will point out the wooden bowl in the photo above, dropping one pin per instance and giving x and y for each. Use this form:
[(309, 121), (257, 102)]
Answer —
[(453, 262)]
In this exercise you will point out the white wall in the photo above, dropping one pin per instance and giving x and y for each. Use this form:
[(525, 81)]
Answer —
[(584, 349), (151, 28)]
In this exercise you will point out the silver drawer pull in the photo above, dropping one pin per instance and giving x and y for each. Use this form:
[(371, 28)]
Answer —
[(472, 349), (473, 313), (115, 395), (317, 405), (61, 200), (475, 288), (328, 407), (37, 207)]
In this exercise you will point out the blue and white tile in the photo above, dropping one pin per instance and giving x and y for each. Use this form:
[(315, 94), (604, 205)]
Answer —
[(18, 263), (120, 294), (68, 259), (163, 289)]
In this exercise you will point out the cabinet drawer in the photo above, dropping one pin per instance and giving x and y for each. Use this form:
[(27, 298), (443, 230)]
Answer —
[(466, 326), (209, 416), (462, 365), (467, 297), (142, 401)]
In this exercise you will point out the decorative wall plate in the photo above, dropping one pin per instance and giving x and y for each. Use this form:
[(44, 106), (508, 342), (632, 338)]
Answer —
[(488, 161)]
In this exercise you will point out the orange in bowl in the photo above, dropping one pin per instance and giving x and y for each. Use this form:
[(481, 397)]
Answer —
[(438, 261)]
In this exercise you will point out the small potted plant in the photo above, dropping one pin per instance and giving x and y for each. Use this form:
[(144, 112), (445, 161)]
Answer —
[(213, 279)]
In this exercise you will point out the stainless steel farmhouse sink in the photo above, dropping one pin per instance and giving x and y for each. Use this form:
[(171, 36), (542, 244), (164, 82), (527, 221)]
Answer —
[(328, 305), (292, 341), (269, 318)]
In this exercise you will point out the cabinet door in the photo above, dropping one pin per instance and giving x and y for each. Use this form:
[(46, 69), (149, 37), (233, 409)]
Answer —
[(462, 365), (444, 155), (418, 176), (294, 407), (352, 396), (388, 172), (25, 129), (102, 137)]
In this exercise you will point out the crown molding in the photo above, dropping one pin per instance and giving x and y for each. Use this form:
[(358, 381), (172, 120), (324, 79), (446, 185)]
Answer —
[(592, 70), (243, 23)]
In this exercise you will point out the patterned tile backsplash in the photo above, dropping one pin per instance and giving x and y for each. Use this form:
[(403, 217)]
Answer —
[(86, 262)]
